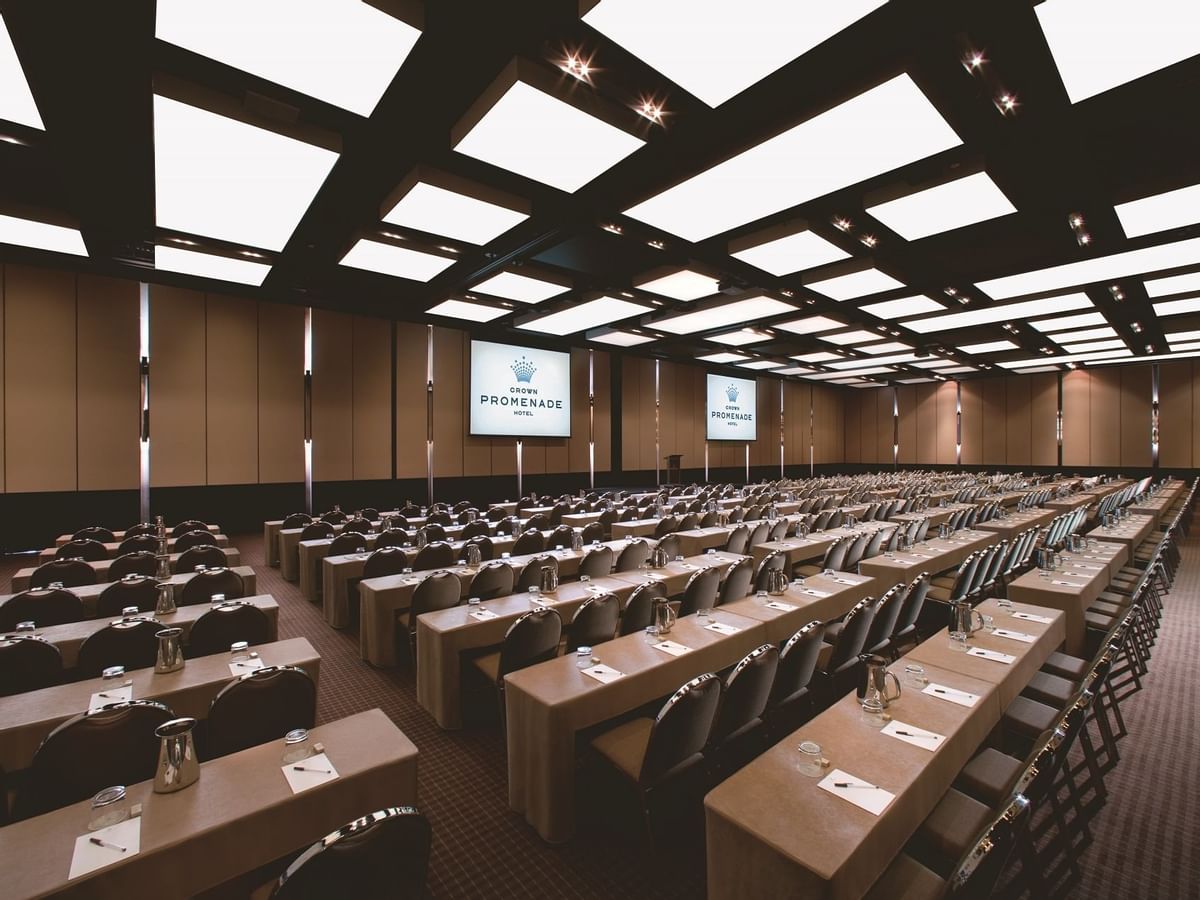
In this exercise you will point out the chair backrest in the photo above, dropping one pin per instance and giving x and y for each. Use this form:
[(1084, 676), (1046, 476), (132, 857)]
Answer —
[(853, 636), (854, 554), (383, 856), (779, 530), (434, 531), (390, 561), (392, 537), (478, 528), (875, 544), (132, 590), (594, 622), (558, 511), (665, 526), (295, 520), (670, 544), (965, 576), (348, 542), (141, 562), (42, 606), (690, 521), (797, 662), (538, 522), (759, 535), (977, 871), (438, 555), (205, 555), (94, 750), (737, 582), (737, 540), (632, 556), (639, 607), (914, 602), (922, 530), (560, 537), (531, 572), (262, 705), (71, 572), (529, 542), (776, 559), (188, 525), (441, 590), (96, 533), (487, 550), (28, 663), (316, 531), (701, 591), (82, 548), (132, 644), (532, 639), (746, 692), (440, 519), (201, 587), (222, 626), (597, 562), (493, 580), (370, 513), (141, 528), (593, 532), (191, 539), (681, 728), (883, 623), (835, 555)]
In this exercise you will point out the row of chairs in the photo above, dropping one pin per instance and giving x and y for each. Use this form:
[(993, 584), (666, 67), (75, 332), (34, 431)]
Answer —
[(985, 571), (93, 550), (106, 536), (77, 572)]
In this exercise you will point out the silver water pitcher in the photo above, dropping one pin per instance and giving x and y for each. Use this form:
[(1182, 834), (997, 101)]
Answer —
[(163, 571), (473, 557), (658, 557), (166, 599), (662, 616), (875, 687), (576, 541), (964, 622), (170, 650), (177, 764), (421, 538), (548, 579), (777, 582)]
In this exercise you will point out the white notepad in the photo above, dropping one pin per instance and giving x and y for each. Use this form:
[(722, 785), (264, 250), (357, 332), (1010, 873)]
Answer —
[(115, 694), (962, 698), (1033, 617), (1015, 635), (814, 592), (245, 665), (918, 737), (993, 655), (864, 795), (673, 648), (602, 673), (1066, 583), (482, 615), (87, 857), (722, 628), (303, 780), (781, 607)]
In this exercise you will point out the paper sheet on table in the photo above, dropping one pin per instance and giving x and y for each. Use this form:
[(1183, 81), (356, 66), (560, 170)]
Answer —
[(845, 581), (115, 694), (1033, 617), (673, 648), (303, 780), (918, 737), (88, 857), (246, 665), (1066, 583), (483, 615), (1015, 635), (781, 607), (722, 628), (814, 592), (942, 692), (602, 673), (993, 655), (873, 799)]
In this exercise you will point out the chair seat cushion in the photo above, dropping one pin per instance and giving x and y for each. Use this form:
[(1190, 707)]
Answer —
[(990, 776), (1049, 689), (1066, 666), (806, 571), (832, 630), (1028, 717), (939, 593), (1104, 608), (907, 878), (489, 665), (1123, 600), (625, 746), (1098, 620), (954, 824), (824, 656)]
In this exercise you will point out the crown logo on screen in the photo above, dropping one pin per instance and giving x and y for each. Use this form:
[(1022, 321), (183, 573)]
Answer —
[(732, 393), (524, 370)]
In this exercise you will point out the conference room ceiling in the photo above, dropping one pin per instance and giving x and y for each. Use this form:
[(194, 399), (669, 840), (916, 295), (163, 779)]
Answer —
[(856, 192)]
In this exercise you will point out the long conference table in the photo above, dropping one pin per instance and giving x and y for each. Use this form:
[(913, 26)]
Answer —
[(772, 832), (49, 553), (241, 815), (20, 581)]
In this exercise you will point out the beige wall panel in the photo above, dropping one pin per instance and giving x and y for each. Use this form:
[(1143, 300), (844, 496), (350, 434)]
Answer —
[(972, 422), (906, 396), (797, 415), (691, 398), (947, 423), (602, 374), (768, 417), (1195, 412), (994, 397), (1017, 390), (1043, 419), (885, 426), (1136, 394), (575, 458), (829, 422), (449, 401), (178, 360), (280, 393), (926, 424), (333, 396), (504, 457), (412, 344), (866, 416), (472, 452), (1077, 418), (372, 398), (1106, 417), (852, 427), (669, 413), (40, 380), (631, 413), (1175, 415), (108, 383), (231, 401)]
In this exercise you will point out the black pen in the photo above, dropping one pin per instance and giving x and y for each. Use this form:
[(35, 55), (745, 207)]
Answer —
[(303, 769), (100, 843), (847, 784), (923, 734)]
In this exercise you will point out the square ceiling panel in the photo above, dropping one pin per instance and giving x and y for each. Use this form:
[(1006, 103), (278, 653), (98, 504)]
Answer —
[(879, 130), (792, 370), (747, 310), (621, 338), (210, 265), (791, 253), (535, 134), (222, 178), (41, 236), (850, 337), (905, 306), (523, 288), (739, 338), (469, 312), (811, 325), (856, 284), (1176, 284), (401, 262), (716, 49), (591, 314), (1064, 322), (1001, 312), (1174, 209), (344, 52), (1100, 44), (1088, 334), (453, 214), (724, 357), (954, 204), (1176, 307), (818, 356), (682, 285), (16, 99), (761, 364), (988, 347)]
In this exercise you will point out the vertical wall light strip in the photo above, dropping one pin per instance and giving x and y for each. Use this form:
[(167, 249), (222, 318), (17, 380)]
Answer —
[(144, 425), (591, 420), (1058, 420), (958, 423), (781, 429), (657, 445), (1154, 410), (520, 467), (895, 427), (308, 434), (747, 463), (812, 436), (706, 462), (429, 414)]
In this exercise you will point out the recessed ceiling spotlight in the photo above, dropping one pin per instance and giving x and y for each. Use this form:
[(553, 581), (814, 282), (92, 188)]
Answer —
[(186, 243), (1072, 365), (894, 333), (392, 235), (648, 109), (964, 300), (1137, 328), (1117, 293), (1048, 351), (577, 67), (9, 139), (1007, 104), (950, 292), (447, 249), (973, 61), (252, 254), (788, 293), (869, 240), (842, 224), (613, 228), (657, 245), (1149, 348), (1075, 220)]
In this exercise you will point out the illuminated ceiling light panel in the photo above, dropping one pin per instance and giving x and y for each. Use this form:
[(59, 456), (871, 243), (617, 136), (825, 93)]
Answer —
[(388, 259), (16, 99), (344, 52), (856, 284), (622, 338), (811, 325), (225, 179), (682, 285), (41, 236), (521, 288), (1180, 336), (872, 361), (792, 370), (736, 313), (826, 376), (1073, 357), (988, 347), (1065, 322), (889, 347), (539, 136), (1100, 44), (861, 372), (1176, 284), (1096, 345), (209, 265), (716, 50), (1008, 312), (1088, 334), (761, 364), (888, 126), (591, 314), (918, 380), (958, 370), (935, 364), (904, 306), (850, 337), (1174, 209), (437, 210), (1186, 346), (819, 356), (471, 312), (725, 357), (739, 338), (794, 253), (1102, 268), (1158, 357), (1038, 370), (1176, 307), (955, 204)]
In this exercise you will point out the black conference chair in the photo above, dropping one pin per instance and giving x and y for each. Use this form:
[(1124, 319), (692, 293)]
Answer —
[(28, 663), (594, 622), (132, 590), (222, 626), (67, 572), (202, 586), (132, 644), (260, 706), (140, 562), (42, 606), (87, 549)]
